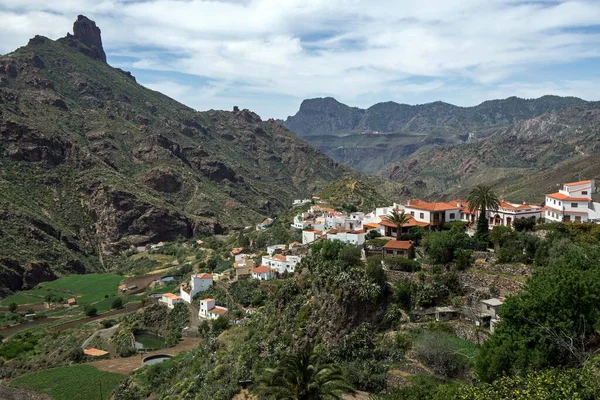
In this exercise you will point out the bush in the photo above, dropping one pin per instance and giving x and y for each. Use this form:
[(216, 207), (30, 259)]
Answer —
[(374, 234), (90, 311), (462, 259), (524, 224), (12, 307), (107, 323), (406, 292), (76, 354), (437, 351), (401, 264), (117, 303), (220, 324)]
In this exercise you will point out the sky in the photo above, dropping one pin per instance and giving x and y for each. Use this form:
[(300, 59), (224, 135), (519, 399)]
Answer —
[(269, 55)]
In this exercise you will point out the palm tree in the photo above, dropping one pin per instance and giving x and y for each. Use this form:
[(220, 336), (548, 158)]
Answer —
[(398, 218), (302, 377), (482, 198)]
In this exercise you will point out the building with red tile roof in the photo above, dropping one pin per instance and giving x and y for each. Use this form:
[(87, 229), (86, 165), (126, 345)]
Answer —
[(573, 203)]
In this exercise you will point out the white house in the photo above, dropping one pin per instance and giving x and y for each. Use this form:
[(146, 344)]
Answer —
[(310, 236), (507, 213), (209, 310), (198, 283), (272, 249), (491, 308), (281, 263), (356, 238), (170, 299), (573, 203), (301, 202), (301, 222), (262, 273), (435, 213)]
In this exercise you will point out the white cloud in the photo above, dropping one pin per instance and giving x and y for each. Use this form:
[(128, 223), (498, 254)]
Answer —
[(273, 53)]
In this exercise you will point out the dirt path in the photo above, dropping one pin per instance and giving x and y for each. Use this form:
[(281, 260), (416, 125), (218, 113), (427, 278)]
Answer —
[(105, 334), (128, 365), (129, 307), (11, 330)]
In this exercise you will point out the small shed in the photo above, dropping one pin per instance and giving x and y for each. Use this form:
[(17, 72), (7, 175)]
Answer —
[(72, 301), (445, 313)]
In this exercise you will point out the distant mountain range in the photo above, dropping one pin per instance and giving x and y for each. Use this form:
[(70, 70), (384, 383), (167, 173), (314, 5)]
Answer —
[(372, 139)]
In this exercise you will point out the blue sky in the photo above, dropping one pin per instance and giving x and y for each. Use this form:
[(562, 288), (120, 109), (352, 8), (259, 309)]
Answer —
[(269, 55)]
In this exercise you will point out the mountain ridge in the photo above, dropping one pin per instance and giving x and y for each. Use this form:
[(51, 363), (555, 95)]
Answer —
[(92, 163), (370, 139)]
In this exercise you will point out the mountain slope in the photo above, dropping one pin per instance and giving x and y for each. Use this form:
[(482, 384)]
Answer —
[(92, 162), (388, 132), (523, 161)]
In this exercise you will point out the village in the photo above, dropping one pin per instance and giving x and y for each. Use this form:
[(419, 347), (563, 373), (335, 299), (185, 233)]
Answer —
[(377, 234)]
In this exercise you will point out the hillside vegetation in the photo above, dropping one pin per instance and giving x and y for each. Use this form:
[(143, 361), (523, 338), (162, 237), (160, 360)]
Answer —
[(92, 163)]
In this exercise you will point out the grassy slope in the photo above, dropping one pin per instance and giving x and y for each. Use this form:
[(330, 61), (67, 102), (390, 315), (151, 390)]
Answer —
[(78, 382)]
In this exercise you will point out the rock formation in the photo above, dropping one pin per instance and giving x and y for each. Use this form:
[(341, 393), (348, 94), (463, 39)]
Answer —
[(86, 31)]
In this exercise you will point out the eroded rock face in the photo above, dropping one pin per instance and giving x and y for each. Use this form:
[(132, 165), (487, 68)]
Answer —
[(86, 31), (36, 272), (123, 220), (163, 180), (23, 144)]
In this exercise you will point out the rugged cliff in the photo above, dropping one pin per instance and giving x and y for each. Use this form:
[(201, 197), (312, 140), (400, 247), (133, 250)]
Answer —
[(92, 163), (370, 139)]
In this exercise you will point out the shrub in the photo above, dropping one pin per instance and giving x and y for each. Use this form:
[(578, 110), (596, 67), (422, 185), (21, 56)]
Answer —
[(524, 224), (76, 354), (12, 307), (107, 323), (437, 351), (401, 264), (117, 303), (90, 311), (462, 259), (374, 234)]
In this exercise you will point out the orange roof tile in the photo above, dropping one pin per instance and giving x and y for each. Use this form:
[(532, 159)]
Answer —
[(279, 257), (411, 221), (208, 299), (577, 183), (427, 206), (261, 270), (94, 352), (371, 226), (171, 296), (205, 276), (237, 250), (219, 310), (560, 196), (508, 206), (399, 244)]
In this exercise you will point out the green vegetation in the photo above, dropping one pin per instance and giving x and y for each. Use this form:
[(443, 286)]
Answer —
[(483, 199), (79, 382), (303, 377)]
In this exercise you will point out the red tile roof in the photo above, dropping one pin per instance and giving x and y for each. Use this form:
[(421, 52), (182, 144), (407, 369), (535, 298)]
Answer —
[(560, 196), (427, 206), (279, 257), (171, 296), (261, 270), (219, 310), (205, 276), (578, 183), (371, 226), (94, 352), (411, 221), (237, 250), (399, 244), (508, 206)]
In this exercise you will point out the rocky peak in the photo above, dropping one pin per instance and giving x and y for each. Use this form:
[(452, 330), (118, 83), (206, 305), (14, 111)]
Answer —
[(87, 33)]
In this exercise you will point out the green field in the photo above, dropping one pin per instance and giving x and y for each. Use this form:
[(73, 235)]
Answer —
[(78, 382), (87, 289)]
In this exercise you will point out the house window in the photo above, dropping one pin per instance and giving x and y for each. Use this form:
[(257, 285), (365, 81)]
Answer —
[(421, 215), (577, 219), (412, 213), (559, 203), (554, 201), (452, 216), (574, 205), (584, 192)]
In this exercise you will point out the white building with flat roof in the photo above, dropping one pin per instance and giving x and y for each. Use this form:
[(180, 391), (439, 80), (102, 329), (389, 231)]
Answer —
[(573, 203)]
